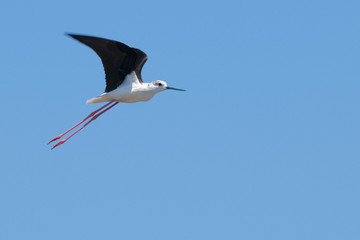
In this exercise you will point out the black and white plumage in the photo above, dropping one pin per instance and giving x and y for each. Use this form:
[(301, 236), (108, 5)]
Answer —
[(122, 65)]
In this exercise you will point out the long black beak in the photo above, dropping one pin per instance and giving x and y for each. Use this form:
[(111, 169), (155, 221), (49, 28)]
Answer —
[(178, 89)]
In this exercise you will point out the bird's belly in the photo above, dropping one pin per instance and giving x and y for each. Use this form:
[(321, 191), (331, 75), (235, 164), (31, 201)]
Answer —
[(132, 97)]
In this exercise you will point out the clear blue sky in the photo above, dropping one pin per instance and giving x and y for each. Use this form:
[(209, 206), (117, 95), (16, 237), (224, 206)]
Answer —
[(264, 144)]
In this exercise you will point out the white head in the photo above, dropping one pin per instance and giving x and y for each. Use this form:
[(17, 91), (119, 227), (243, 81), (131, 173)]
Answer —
[(159, 86)]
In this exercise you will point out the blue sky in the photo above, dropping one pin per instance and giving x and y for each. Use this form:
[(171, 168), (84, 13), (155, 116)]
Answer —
[(264, 144)]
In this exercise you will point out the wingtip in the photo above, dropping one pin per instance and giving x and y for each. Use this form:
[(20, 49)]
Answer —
[(69, 34)]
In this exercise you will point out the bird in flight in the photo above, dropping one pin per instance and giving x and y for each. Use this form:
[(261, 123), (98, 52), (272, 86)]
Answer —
[(122, 65)]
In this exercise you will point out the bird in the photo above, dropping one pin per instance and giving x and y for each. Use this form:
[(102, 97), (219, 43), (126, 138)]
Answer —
[(122, 65)]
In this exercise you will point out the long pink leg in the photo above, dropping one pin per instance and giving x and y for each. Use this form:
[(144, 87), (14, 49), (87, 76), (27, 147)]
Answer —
[(90, 115), (92, 119)]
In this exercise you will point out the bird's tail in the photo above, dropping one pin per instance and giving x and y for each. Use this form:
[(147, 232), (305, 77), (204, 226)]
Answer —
[(102, 98)]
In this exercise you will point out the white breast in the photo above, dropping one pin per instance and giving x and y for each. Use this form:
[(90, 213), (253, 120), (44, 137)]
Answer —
[(131, 90)]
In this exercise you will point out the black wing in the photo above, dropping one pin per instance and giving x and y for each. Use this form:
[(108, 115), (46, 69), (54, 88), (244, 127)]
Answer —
[(117, 58)]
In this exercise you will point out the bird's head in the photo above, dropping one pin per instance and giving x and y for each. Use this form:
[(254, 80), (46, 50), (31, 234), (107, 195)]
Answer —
[(160, 86)]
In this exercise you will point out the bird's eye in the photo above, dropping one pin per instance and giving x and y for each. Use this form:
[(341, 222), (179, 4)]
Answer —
[(159, 84)]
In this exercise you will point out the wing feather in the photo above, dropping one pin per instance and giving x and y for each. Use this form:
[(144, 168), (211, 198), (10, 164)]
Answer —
[(118, 59)]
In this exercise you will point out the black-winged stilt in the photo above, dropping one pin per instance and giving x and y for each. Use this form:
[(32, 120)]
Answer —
[(122, 66)]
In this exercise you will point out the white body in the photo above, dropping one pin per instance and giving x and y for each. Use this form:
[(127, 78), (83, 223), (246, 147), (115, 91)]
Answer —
[(131, 90)]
